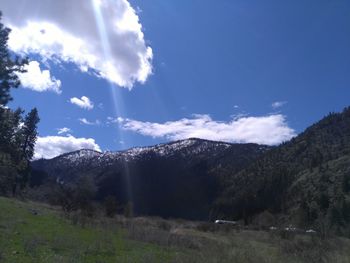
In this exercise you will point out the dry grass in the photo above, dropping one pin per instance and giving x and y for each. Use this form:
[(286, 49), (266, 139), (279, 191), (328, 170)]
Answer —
[(207, 242), (51, 237)]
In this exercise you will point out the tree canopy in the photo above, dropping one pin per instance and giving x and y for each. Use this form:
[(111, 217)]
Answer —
[(18, 132)]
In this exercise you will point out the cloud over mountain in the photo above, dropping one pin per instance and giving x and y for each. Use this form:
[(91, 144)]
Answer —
[(270, 130), (103, 37), (52, 146)]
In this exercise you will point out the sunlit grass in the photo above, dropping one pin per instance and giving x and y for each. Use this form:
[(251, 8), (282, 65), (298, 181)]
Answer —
[(47, 237)]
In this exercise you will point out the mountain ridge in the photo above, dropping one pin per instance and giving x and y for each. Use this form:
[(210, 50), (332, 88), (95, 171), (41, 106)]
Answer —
[(155, 178), (300, 182), (147, 147)]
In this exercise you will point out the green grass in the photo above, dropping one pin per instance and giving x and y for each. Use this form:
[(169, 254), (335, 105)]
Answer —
[(50, 237)]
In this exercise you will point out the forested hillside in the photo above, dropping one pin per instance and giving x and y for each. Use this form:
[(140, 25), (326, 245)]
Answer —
[(306, 179)]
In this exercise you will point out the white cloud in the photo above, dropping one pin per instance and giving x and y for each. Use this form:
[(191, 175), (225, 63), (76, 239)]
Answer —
[(63, 130), (52, 146), (86, 122), (84, 102), (103, 37), (111, 120), (270, 130), (278, 104), (39, 80)]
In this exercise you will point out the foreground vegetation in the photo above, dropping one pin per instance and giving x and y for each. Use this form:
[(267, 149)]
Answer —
[(38, 233), (18, 132), (32, 232)]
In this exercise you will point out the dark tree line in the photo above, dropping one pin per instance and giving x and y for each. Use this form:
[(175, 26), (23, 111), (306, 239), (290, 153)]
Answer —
[(18, 132)]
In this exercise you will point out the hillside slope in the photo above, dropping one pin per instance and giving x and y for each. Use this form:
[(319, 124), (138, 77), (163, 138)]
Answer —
[(306, 179), (168, 180)]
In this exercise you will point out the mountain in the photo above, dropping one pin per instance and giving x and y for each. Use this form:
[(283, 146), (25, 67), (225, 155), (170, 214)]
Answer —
[(177, 179), (305, 181)]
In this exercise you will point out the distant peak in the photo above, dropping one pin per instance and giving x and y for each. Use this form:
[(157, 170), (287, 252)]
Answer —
[(89, 152)]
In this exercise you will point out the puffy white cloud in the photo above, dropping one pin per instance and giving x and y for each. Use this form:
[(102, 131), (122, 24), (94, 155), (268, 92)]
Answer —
[(87, 122), (84, 102), (270, 130), (39, 80), (103, 37), (51, 146), (63, 130), (278, 104)]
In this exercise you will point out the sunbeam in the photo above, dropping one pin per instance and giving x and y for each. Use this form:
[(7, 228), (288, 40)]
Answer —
[(115, 93)]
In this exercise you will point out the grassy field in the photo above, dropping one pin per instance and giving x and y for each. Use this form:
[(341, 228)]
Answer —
[(48, 237), (31, 232)]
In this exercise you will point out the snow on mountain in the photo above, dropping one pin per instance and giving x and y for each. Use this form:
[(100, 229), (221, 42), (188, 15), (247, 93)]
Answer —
[(184, 153), (184, 147)]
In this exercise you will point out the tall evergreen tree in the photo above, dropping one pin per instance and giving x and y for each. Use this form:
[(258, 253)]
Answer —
[(9, 66), (27, 138), (17, 134), (29, 133)]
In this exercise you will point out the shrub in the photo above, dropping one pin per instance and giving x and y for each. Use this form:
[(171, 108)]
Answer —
[(286, 234), (264, 220), (129, 210), (110, 206)]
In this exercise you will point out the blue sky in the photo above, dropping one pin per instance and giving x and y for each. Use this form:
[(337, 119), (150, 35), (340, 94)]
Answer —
[(217, 69)]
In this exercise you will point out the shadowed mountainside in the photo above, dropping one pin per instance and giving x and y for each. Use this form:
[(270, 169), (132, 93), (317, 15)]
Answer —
[(169, 180)]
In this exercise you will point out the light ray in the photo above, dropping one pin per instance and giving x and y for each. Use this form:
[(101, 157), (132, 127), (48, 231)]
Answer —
[(115, 93)]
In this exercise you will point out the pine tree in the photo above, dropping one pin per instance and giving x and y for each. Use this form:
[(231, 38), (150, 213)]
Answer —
[(29, 133), (28, 136), (9, 66), (10, 160), (17, 134)]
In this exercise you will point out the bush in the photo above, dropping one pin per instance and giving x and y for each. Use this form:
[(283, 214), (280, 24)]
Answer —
[(264, 220), (207, 227), (110, 206), (212, 227), (284, 234), (75, 196), (129, 210)]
